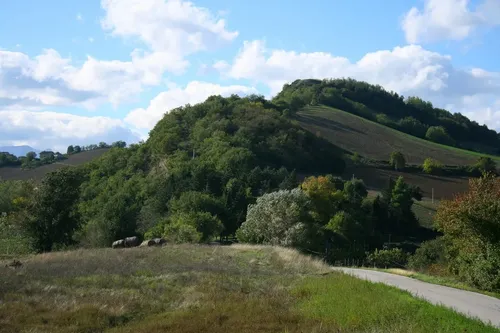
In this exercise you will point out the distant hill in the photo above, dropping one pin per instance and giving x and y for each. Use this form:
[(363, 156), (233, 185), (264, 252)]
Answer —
[(16, 173), (372, 140), (18, 150), (410, 115)]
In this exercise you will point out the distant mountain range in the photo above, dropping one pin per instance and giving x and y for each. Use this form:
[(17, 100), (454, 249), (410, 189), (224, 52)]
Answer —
[(18, 150)]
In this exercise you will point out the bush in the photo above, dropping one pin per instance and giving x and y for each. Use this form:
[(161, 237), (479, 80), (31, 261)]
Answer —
[(482, 270), (356, 159), (431, 166), (429, 253), (192, 227), (412, 126), (383, 119), (178, 232), (470, 224), (388, 258), (486, 164), (397, 160), (438, 134), (13, 240)]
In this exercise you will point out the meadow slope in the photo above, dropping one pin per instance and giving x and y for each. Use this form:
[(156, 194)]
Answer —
[(375, 141), (189, 288)]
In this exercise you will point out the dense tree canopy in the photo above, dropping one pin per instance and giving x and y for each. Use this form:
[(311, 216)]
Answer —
[(191, 181)]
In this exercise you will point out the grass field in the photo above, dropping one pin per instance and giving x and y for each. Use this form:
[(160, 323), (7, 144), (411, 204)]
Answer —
[(16, 173), (375, 141), (206, 289)]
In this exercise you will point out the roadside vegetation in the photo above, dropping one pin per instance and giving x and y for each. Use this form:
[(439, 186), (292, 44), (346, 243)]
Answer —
[(440, 277)]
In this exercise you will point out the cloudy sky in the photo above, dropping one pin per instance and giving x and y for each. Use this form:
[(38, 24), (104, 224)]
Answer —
[(80, 72)]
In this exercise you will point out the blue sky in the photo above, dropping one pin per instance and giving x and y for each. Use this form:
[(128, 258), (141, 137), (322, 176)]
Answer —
[(79, 72)]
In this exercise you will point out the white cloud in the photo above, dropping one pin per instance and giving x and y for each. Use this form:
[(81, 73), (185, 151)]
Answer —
[(49, 79), (170, 30), (173, 26), (448, 19), (55, 130), (194, 92), (408, 70), (79, 17), (221, 65)]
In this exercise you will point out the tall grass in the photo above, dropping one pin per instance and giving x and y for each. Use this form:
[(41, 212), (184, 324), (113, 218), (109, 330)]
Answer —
[(190, 288)]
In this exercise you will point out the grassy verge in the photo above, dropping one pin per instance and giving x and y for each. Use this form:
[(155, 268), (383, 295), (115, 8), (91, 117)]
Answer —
[(205, 289), (360, 306), (448, 281)]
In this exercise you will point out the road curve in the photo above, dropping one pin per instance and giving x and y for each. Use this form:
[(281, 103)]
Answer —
[(471, 304)]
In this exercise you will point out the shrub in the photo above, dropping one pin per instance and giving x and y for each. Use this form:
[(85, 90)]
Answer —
[(412, 126), (470, 224), (388, 258), (431, 166), (438, 134), (429, 253), (192, 227), (397, 160), (178, 232), (343, 224), (481, 270), (486, 164), (383, 119), (13, 240), (356, 159)]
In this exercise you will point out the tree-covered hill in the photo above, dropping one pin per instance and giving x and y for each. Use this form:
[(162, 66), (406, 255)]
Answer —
[(411, 115), (192, 180)]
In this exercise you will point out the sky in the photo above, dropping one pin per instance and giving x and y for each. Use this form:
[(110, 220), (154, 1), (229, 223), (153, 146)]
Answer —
[(81, 72)]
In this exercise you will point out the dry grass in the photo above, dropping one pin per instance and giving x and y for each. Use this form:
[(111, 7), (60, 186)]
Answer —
[(188, 288), (290, 258)]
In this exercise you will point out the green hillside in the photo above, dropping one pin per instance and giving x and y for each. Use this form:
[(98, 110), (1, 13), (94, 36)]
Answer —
[(410, 114), (372, 140)]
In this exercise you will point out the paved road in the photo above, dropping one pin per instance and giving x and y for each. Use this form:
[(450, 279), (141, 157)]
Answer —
[(484, 307)]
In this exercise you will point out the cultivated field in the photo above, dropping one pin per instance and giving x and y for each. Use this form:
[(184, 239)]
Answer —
[(16, 173), (189, 288), (375, 141), (378, 179)]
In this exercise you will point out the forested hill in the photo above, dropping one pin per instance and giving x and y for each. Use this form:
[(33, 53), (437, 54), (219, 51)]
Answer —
[(411, 115), (241, 133), (192, 180)]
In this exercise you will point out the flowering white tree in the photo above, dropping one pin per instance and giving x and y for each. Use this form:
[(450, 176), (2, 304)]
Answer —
[(277, 218)]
